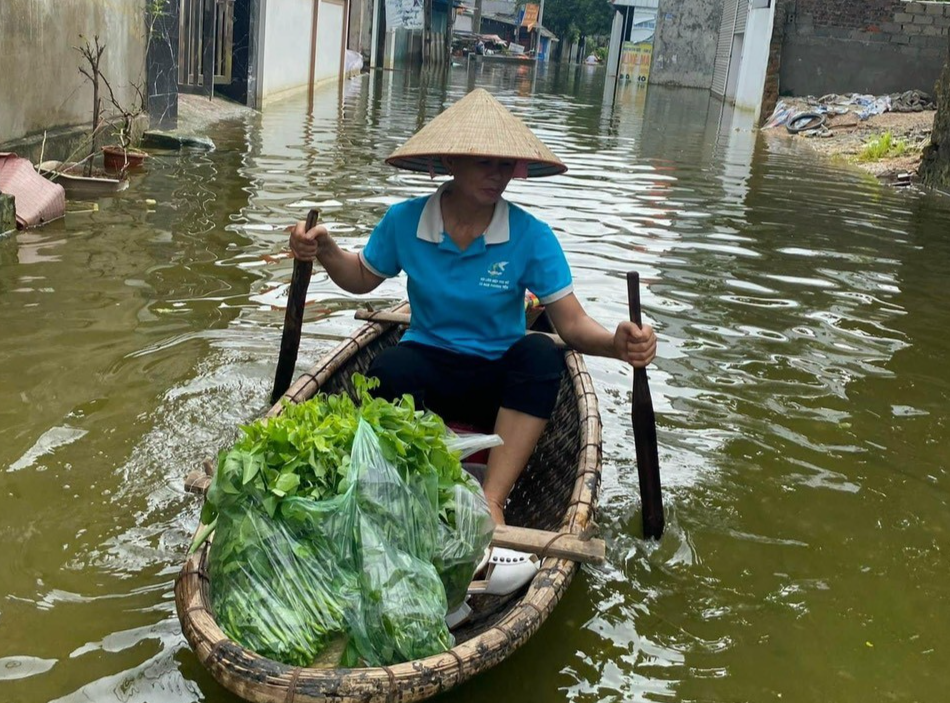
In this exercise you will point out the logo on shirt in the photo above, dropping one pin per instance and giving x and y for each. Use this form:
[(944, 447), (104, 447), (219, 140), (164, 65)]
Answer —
[(494, 278)]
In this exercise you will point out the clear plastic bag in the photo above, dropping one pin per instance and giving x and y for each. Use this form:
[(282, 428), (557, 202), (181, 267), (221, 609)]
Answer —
[(402, 598), (468, 443), (402, 604), (363, 573), (284, 588), (463, 542), (404, 511)]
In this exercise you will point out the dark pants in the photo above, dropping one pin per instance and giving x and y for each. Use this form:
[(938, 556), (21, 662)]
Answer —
[(470, 389)]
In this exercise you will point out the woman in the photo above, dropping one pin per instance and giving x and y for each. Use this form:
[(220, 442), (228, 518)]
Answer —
[(469, 256)]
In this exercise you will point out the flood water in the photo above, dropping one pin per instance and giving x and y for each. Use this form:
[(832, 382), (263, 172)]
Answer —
[(801, 391)]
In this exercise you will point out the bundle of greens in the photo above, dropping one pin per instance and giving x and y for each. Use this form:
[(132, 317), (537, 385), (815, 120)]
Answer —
[(342, 522)]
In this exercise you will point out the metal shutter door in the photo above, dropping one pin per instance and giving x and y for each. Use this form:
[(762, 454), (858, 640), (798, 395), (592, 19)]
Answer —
[(727, 30), (742, 16)]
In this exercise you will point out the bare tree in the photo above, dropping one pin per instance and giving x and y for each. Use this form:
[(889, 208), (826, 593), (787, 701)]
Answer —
[(92, 53)]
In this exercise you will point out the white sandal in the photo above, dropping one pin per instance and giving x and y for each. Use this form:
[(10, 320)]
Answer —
[(508, 571)]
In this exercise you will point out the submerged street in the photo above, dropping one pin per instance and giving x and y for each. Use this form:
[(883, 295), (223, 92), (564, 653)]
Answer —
[(800, 391)]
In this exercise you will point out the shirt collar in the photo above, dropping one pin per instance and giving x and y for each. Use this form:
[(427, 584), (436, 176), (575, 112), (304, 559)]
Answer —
[(431, 227)]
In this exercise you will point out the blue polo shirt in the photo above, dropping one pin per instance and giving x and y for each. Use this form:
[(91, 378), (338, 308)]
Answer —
[(471, 301)]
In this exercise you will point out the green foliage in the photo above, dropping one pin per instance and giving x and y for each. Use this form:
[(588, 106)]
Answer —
[(342, 532), (884, 146), (305, 451), (571, 19), (156, 8)]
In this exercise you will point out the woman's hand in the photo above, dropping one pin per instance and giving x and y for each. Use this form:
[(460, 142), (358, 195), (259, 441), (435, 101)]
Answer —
[(306, 245), (635, 345)]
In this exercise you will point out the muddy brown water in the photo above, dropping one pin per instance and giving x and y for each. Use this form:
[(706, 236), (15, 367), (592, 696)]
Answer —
[(801, 392)]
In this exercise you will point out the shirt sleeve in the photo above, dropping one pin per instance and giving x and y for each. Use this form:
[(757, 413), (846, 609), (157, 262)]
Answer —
[(381, 253), (547, 274)]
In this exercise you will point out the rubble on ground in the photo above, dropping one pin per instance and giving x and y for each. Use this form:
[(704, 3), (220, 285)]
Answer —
[(844, 125)]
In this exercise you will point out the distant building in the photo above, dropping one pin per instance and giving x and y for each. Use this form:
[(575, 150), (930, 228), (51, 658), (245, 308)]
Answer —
[(508, 21), (251, 51), (765, 48), (631, 39)]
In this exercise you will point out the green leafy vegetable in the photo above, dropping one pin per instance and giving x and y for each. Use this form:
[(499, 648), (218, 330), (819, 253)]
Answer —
[(345, 524)]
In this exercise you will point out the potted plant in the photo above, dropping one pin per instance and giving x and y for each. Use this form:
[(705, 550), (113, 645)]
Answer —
[(78, 178), (119, 158)]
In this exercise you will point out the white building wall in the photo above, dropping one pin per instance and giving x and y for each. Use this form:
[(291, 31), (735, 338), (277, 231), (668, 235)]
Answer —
[(616, 40), (286, 62), (755, 58), (40, 86), (329, 36), (286, 56)]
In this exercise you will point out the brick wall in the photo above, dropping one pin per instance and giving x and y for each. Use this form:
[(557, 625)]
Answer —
[(867, 46), (848, 13), (770, 94)]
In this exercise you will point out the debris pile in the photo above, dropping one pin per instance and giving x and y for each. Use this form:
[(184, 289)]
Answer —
[(812, 119)]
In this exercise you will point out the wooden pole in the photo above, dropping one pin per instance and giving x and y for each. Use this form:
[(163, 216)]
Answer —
[(293, 320), (314, 18), (644, 431), (344, 40), (426, 31), (449, 29)]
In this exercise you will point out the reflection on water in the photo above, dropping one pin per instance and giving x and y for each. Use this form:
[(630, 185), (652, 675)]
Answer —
[(800, 393)]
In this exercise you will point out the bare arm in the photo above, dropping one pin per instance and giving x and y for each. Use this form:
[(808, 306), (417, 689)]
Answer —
[(635, 345), (345, 268)]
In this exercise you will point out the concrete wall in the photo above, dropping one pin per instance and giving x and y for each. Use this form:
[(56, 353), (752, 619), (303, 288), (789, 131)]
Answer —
[(684, 50), (7, 214), (755, 59), (360, 34), (40, 84), (872, 46), (286, 55), (286, 62), (328, 40)]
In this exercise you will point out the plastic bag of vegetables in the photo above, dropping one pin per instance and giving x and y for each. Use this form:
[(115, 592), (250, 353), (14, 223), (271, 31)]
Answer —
[(339, 528)]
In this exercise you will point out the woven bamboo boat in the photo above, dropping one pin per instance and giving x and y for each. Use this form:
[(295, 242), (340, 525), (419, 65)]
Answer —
[(557, 492)]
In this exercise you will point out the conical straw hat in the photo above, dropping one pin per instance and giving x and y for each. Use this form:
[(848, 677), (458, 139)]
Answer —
[(477, 125)]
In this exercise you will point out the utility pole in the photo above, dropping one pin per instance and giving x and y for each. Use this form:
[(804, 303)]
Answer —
[(537, 48), (477, 18), (449, 29), (426, 32)]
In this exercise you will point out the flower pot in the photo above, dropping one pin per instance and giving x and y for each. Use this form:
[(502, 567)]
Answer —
[(116, 159)]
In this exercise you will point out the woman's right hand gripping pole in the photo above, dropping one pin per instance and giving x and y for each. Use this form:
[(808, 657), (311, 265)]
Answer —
[(343, 267), (306, 244)]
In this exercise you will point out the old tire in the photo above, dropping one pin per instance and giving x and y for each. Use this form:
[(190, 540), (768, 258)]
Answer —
[(805, 120)]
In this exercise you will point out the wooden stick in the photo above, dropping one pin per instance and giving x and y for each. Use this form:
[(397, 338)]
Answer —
[(644, 431), (293, 319), (562, 545), (400, 318), (197, 482)]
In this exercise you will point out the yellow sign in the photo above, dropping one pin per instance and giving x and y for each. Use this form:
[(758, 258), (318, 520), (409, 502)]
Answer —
[(635, 59), (530, 15)]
